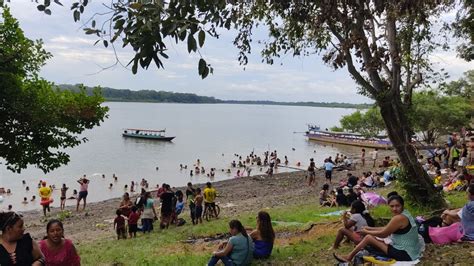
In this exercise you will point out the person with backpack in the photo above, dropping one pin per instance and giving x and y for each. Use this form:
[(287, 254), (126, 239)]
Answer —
[(353, 222), (238, 250)]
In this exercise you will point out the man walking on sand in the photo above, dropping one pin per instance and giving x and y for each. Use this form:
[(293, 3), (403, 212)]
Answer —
[(374, 157)]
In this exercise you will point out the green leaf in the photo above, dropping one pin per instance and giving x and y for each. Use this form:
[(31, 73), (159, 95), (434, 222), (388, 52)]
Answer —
[(84, 2), (201, 38), (47, 11), (41, 7), (205, 72), (58, 2), (192, 46), (201, 66), (76, 15), (47, 2), (93, 24), (106, 44)]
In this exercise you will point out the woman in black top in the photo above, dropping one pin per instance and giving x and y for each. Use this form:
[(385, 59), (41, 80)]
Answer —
[(16, 247)]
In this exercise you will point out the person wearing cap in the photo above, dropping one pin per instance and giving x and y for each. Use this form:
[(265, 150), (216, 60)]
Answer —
[(45, 194), (84, 182)]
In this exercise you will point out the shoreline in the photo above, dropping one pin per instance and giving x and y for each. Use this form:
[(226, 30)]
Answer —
[(237, 195)]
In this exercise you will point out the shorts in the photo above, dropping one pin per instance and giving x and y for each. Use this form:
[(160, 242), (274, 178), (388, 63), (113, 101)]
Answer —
[(62, 198), (312, 173), (400, 255), (82, 195), (198, 213), (132, 228), (328, 174)]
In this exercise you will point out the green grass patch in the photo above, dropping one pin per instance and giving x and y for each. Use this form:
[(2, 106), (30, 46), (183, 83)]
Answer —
[(166, 247)]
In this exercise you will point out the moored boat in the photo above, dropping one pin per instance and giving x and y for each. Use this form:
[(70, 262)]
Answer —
[(146, 134), (347, 138)]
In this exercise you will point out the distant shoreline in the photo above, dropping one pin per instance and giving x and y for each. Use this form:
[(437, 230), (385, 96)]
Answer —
[(153, 96), (356, 106)]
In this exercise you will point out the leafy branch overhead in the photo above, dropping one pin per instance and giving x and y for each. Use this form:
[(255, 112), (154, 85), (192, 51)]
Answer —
[(37, 120)]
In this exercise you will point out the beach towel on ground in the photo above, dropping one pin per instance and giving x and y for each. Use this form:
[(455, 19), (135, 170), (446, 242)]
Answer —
[(373, 199)]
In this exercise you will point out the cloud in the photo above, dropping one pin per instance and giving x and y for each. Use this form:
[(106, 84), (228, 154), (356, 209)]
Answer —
[(77, 60)]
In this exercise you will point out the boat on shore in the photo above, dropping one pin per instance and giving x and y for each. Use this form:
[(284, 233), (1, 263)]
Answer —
[(347, 138), (146, 134), (356, 139)]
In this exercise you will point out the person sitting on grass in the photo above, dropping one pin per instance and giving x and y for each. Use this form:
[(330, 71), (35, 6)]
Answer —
[(341, 199), (353, 222), (263, 237), (465, 215), (324, 196), (238, 250), (402, 229)]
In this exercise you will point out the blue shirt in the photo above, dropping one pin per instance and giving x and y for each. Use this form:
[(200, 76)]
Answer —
[(467, 220), (328, 166)]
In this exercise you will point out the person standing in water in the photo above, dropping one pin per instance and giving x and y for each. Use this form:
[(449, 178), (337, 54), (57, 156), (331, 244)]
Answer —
[(63, 196)]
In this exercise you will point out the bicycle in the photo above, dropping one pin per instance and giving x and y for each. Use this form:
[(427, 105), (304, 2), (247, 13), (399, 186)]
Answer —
[(209, 212)]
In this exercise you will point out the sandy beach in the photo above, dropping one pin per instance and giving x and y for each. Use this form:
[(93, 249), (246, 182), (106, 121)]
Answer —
[(235, 196)]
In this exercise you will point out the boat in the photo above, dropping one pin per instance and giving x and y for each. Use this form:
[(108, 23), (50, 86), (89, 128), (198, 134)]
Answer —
[(347, 138), (355, 139), (146, 134)]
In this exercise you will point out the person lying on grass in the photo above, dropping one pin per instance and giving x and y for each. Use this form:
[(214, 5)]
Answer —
[(238, 250), (354, 221), (465, 215), (402, 229)]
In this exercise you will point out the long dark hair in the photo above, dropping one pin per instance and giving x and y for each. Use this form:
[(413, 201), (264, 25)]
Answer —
[(264, 226), (359, 207), (236, 224), (8, 219)]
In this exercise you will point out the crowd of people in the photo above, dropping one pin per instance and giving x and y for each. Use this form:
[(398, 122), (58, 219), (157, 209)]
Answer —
[(400, 239)]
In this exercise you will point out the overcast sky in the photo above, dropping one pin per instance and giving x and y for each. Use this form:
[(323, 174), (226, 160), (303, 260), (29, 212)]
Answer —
[(77, 60)]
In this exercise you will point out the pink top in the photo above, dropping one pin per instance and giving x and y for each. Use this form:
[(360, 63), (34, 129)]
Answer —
[(84, 186), (64, 256)]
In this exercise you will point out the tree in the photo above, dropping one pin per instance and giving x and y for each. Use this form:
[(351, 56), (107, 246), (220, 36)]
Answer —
[(368, 123), (37, 120), (463, 87), (434, 114), (385, 46)]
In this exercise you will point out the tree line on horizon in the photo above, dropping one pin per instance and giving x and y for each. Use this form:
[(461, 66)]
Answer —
[(126, 95)]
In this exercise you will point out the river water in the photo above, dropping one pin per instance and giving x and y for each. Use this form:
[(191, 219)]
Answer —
[(212, 133)]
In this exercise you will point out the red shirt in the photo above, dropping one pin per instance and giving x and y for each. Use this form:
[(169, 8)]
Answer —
[(65, 256), (133, 218), (119, 222)]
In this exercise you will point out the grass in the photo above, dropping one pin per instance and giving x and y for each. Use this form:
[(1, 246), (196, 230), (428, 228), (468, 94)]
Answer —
[(293, 246)]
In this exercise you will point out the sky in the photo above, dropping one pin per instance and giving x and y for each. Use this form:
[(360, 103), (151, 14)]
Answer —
[(77, 60)]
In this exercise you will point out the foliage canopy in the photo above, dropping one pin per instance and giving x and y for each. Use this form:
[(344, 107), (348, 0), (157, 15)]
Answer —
[(37, 120)]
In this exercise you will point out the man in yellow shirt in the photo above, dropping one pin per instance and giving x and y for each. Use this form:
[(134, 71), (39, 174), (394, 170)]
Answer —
[(209, 197)]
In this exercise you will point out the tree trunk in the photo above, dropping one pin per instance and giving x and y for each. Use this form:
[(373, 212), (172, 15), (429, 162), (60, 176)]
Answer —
[(418, 185)]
